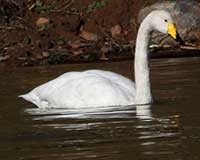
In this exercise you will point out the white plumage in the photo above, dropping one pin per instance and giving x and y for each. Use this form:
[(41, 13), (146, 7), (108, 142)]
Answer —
[(97, 88), (84, 89)]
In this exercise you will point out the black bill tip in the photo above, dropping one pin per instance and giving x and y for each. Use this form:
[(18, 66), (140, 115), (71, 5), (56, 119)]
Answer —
[(179, 39)]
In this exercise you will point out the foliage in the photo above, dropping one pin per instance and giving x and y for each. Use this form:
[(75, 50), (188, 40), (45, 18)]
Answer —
[(41, 7), (27, 40), (97, 4), (47, 27), (60, 41)]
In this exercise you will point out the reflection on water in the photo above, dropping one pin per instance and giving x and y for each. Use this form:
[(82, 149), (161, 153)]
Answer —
[(145, 130), (141, 112), (169, 129)]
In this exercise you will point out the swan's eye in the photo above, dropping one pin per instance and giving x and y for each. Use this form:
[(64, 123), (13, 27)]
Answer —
[(165, 20)]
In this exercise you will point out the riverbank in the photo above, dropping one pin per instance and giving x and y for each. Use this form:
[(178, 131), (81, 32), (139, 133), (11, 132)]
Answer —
[(38, 33)]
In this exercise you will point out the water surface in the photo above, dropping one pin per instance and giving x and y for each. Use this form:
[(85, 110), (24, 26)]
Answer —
[(169, 129)]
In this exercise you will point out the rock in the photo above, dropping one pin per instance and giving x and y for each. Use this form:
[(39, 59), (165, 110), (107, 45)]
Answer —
[(104, 57), (4, 58), (39, 56), (186, 15), (42, 21), (78, 52), (116, 31), (45, 54), (105, 49), (76, 44), (88, 36)]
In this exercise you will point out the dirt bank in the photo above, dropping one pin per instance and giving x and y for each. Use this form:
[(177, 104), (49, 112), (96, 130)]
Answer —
[(40, 32)]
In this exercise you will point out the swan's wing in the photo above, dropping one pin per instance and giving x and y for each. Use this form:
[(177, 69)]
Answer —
[(42, 95), (79, 89), (117, 78)]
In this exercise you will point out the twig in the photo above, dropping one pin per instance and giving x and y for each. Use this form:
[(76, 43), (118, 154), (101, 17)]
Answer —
[(6, 27), (13, 27), (189, 47), (107, 35), (66, 5)]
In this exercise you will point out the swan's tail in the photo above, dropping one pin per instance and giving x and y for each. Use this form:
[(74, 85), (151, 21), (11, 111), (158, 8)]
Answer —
[(31, 97), (26, 97)]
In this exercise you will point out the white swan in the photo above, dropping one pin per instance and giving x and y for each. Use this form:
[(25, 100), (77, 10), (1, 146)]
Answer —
[(95, 88)]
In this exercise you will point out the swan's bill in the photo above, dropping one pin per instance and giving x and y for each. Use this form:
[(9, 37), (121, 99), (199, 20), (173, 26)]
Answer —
[(172, 30)]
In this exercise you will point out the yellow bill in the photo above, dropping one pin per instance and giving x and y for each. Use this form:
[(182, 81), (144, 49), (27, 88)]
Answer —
[(172, 30)]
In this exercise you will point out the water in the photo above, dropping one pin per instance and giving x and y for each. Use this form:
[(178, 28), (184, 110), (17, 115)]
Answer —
[(169, 129)]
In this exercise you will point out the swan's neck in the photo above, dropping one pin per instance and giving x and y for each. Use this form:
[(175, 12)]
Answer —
[(142, 75)]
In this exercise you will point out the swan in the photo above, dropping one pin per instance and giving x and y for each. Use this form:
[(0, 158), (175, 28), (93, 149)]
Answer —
[(98, 88)]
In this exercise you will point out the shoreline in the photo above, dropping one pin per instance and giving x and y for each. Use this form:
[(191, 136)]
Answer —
[(161, 53)]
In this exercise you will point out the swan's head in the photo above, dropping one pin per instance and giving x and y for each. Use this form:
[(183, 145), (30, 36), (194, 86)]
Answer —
[(161, 20)]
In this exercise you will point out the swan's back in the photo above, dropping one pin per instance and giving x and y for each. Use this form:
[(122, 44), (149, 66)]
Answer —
[(92, 88)]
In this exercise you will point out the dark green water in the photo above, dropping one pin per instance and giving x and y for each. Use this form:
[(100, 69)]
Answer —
[(167, 130)]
